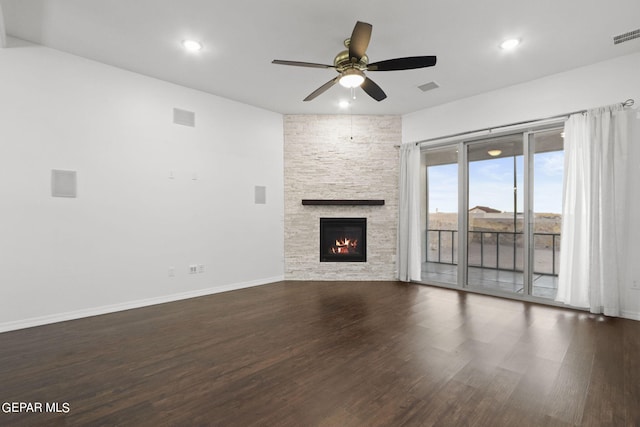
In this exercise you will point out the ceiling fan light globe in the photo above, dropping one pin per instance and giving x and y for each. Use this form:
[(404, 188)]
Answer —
[(351, 78)]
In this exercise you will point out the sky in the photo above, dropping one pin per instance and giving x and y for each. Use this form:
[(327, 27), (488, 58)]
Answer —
[(491, 184)]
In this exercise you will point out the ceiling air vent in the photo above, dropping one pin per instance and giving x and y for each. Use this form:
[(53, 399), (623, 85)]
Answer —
[(184, 117), (428, 86), (626, 36)]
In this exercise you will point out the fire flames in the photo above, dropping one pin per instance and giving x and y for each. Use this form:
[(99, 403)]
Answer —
[(344, 246)]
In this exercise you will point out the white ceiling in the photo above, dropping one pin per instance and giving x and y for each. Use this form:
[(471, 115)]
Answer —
[(242, 37)]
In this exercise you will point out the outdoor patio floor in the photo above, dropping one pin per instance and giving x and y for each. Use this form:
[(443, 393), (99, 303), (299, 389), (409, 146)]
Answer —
[(544, 286)]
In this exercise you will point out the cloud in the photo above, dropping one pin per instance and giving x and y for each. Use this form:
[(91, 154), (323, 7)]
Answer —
[(551, 164), (443, 188)]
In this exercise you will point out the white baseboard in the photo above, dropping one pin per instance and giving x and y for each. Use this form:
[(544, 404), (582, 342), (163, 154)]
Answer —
[(96, 311), (633, 315)]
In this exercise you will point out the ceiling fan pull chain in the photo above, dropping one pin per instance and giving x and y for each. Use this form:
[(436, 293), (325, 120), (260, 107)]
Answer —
[(351, 117)]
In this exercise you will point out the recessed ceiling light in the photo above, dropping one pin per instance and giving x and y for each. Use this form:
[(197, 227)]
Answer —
[(191, 45), (494, 153), (509, 44), (343, 104)]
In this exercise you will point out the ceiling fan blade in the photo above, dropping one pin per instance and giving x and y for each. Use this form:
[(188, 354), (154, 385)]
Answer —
[(301, 64), (373, 90), (408, 63), (359, 40), (322, 89)]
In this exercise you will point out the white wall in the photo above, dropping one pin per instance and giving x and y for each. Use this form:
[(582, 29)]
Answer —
[(112, 246), (593, 86)]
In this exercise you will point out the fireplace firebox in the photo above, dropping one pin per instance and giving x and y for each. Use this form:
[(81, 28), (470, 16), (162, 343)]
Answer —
[(343, 239)]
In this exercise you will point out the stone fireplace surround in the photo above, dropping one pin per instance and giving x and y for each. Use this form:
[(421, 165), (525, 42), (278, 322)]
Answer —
[(340, 157)]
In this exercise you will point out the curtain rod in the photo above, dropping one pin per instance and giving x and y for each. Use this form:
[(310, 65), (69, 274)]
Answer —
[(628, 103)]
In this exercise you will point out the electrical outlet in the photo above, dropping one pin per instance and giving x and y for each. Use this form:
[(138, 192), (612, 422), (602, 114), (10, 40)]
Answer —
[(635, 284), (172, 271), (193, 269), (201, 268)]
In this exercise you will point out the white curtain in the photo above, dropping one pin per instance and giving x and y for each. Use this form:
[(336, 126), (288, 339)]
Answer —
[(595, 206), (409, 267)]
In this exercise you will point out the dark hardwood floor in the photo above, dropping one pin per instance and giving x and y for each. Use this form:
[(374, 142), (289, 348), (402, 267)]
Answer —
[(329, 354)]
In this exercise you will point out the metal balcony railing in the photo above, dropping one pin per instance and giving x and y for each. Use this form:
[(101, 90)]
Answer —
[(495, 250)]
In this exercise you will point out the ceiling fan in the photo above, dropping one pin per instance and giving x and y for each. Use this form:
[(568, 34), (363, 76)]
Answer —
[(353, 62)]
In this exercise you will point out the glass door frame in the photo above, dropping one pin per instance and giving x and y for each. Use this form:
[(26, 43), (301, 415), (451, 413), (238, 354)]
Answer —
[(528, 150)]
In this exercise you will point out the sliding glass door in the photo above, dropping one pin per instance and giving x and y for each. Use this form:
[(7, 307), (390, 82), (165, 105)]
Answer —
[(495, 255), (547, 170), (440, 215), (505, 240)]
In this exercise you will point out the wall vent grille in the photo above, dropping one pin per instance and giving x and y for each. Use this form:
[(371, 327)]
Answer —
[(626, 36), (184, 117)]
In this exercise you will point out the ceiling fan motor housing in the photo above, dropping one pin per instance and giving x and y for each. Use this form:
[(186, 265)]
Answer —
[(342, 61)]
